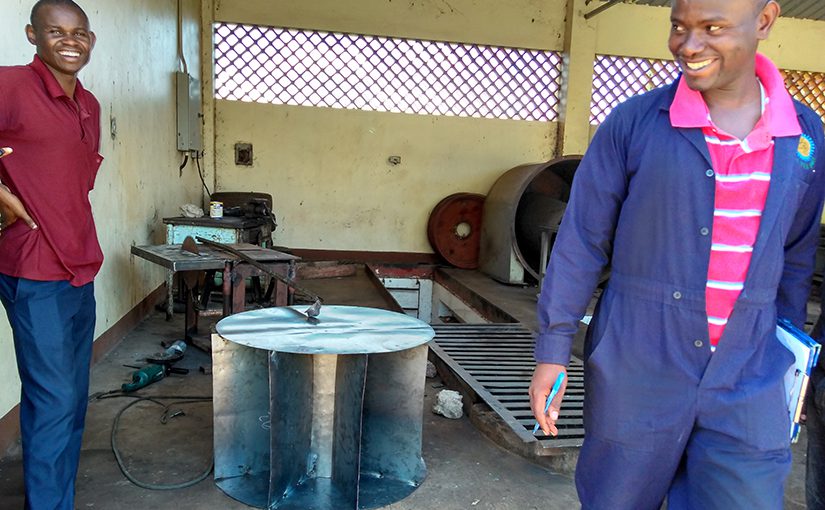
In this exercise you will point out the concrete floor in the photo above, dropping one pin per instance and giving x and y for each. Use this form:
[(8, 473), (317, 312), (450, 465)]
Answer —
[(465, 469)]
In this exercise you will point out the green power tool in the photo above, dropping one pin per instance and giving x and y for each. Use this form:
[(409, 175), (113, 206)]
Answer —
[(144, 377)]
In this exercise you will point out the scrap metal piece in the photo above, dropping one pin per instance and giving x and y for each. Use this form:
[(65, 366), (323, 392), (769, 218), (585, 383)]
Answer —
[(315, 309), (190, 246), (190, 278)]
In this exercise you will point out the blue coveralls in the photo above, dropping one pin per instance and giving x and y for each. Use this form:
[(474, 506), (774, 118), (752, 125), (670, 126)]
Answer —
[(662, 414)]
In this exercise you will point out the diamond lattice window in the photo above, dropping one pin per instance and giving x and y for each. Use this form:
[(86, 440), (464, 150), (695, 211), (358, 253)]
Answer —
[(618, 78), (807, 87), (311, 68)]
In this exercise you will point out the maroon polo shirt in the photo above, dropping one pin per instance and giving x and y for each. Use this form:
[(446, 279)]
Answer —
[(52, 170)]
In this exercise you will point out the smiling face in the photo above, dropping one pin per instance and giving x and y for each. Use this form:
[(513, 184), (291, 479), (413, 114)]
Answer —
[(63, 40), (715, 41)]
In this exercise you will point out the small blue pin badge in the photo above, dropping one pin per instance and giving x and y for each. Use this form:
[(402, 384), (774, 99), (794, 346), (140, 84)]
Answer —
[(553, 392)]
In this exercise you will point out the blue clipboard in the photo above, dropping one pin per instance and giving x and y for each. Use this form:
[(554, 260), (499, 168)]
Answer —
[(806, 352)]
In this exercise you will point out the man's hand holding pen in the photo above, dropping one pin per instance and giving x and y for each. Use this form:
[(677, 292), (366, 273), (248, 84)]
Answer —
[(11, 208), (545, 404)]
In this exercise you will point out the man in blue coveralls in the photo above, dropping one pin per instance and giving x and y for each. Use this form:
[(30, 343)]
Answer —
[(705, 198)]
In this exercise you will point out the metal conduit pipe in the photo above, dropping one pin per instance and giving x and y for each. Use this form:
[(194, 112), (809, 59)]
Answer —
[(524, 201)]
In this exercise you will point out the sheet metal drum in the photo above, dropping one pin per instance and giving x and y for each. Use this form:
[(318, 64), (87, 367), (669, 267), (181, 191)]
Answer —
[(323, 416), (520, 203)]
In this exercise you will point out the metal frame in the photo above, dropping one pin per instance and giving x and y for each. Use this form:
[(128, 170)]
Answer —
[(496, 363)]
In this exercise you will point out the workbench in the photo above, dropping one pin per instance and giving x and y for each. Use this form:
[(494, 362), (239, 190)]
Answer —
[(234, 271)]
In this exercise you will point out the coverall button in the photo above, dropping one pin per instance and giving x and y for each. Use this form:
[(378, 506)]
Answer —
[(677, 295), (698, 343), (704, 231), (709, 172)]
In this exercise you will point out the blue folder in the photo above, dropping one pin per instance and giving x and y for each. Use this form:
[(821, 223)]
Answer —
[(806, 352)]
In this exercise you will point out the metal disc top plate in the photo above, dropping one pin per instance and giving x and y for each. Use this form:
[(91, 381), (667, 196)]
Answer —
[(340, 330)]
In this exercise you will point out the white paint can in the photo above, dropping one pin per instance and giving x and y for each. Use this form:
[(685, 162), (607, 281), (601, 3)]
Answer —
[(216, 209)]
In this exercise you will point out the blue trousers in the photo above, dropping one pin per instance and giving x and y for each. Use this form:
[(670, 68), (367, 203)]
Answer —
[(704, 471), (53, 327)]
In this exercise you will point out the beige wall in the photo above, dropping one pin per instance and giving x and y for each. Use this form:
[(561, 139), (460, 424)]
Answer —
[(327, 169), (131, 75), (332, 184), (516, 23)]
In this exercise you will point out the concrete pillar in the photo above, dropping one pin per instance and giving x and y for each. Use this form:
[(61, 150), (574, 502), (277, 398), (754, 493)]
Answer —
[(577, 79)]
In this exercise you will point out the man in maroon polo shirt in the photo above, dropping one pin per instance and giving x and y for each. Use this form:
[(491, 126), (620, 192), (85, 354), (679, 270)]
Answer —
[(49, 253)]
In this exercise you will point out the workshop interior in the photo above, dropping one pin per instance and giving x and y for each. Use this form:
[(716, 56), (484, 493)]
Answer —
[(314, 202)]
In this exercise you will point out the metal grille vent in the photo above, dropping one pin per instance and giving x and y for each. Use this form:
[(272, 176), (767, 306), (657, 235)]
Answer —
[(312, 68), (618, 78), (807, 87), (496, 361)]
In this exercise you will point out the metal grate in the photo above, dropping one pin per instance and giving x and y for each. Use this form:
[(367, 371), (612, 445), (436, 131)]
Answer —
[(496, 362), (618, 78), (312, 68), (807, 87)]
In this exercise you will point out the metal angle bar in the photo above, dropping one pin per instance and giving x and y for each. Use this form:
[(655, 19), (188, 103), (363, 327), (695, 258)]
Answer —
[(486, 343), (470, 335), (521, 384), (484, 333), (510, 399), (497, 347), (602, 8), (508, 363), (559, 443), (508, 326), (529, 422), (486, 356)]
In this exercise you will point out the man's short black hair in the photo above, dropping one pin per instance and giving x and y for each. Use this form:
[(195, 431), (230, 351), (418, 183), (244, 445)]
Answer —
[(43, 3)]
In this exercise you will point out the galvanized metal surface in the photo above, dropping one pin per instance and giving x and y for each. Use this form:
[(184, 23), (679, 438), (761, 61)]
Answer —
[(271, 416), (240, 389), (521, 200), (391, 463), (340, 330), (806, 9), (290, 423), (496, 362)]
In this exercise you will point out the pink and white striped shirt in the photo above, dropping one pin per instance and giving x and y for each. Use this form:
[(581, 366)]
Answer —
[(742, 171)]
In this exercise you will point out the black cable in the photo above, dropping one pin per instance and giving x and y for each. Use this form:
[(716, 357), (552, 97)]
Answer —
[(164, 417), (183, 165), (200, 174)]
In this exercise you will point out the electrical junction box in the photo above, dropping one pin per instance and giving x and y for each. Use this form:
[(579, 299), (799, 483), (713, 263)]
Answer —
[(189, 115)]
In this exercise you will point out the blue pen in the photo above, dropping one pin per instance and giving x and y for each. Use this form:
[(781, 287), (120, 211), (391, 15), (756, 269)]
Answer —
[(553, 391)]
